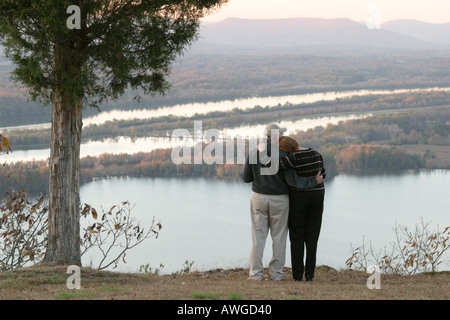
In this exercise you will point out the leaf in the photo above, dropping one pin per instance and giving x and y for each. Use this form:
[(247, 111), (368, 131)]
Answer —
[(94, 213), (110, 210), (85, 210), (4, 144)]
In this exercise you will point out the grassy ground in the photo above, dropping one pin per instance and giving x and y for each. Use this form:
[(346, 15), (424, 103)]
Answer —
[(439, 156), (49, 283)]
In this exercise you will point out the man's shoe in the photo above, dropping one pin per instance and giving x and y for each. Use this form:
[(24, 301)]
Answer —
[(278, 279)]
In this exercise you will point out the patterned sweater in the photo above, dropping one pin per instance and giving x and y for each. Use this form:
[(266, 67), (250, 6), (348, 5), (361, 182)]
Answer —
[(306, 163)]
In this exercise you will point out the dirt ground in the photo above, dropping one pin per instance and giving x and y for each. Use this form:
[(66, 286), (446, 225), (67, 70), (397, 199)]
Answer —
[(50, 283)]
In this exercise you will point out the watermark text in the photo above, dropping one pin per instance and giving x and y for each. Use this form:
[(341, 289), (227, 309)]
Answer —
[(74, 281), (190, 149)]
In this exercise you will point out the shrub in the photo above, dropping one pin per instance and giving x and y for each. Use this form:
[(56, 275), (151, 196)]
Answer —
[(23, 231), (420, 250)]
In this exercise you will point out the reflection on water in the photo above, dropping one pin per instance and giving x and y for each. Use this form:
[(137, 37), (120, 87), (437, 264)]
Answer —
[(292, 126), (227, 105), (147, 144), (128, 145), (191, 109)]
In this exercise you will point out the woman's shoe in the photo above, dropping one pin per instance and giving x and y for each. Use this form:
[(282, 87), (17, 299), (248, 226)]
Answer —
[(309, 278)]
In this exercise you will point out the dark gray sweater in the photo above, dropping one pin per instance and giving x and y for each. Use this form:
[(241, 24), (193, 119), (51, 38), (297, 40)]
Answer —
[(274, 184)]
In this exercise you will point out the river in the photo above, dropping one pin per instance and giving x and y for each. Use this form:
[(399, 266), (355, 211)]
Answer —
[(129, 145), (206, 221), (147, 144), (190, 109)]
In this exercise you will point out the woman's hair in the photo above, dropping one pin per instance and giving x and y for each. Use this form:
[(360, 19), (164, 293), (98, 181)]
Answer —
[(288, 144)]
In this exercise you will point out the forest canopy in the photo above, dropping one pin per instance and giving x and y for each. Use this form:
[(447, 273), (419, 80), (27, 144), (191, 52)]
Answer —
[(214, 77)]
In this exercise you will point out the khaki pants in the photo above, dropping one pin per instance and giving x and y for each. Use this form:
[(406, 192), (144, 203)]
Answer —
[(268, 212)]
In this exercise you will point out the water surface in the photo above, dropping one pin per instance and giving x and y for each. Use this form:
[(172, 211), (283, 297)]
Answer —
[(207, 220)]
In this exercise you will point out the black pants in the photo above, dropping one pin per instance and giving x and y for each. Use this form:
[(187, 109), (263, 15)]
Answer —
[(305, 221)]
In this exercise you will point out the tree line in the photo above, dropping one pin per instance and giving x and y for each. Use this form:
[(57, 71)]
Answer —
[(162, 126), (215, 77), (363, 146)]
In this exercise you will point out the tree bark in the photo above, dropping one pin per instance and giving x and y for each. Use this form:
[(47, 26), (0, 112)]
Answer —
[(63, 246)]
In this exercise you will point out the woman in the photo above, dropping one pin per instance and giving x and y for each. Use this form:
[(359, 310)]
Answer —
[(305, 205)]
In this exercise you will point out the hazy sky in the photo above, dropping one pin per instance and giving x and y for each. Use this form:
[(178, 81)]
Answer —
[(436, 11)]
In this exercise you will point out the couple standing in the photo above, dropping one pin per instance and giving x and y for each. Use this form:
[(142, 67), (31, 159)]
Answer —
[(288, 198)]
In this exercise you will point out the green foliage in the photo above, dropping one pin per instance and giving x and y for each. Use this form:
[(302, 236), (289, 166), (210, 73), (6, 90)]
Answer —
[(235, 296), (205, 295), (121, 44), (66, 295), (187, 267), (146, 269)]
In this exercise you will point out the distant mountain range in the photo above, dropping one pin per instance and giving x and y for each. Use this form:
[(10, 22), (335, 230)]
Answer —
[(316, 32), (428, 32)]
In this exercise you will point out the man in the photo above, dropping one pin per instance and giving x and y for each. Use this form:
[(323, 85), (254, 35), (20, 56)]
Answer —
[(269, 205)]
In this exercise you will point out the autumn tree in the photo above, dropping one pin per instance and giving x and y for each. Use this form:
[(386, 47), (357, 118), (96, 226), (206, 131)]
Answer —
[(77, 54)]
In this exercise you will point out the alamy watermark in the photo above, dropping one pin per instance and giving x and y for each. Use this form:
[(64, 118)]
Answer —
[(74, 21), (190, 149), (374, 281), (73, 281), (374, 20)]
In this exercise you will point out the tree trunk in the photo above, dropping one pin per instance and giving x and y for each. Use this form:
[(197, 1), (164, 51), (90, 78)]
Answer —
[(63, 246)]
